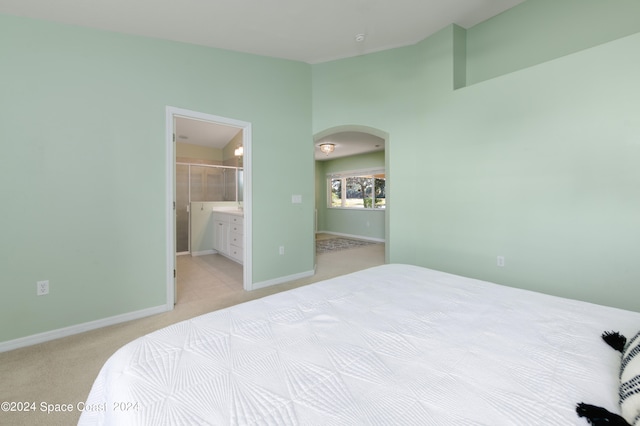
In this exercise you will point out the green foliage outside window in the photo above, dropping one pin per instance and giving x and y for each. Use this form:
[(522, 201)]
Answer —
[(359, 191)]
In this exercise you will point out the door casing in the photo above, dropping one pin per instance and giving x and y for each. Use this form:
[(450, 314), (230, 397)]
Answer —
[(171, 114)]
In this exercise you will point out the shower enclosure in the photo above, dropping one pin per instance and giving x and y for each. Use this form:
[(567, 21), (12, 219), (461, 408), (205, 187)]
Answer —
[(199, 182)]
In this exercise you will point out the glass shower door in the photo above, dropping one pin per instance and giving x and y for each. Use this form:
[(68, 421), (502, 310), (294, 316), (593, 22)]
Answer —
[(207, 183), (195, 183)]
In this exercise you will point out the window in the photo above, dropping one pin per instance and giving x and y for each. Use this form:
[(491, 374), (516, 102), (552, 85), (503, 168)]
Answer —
[(357, 190)]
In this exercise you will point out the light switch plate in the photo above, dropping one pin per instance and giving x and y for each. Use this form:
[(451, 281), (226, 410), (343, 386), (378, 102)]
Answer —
[(296, 199)]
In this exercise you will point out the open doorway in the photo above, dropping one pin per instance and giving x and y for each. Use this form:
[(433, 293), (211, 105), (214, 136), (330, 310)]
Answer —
[(352, 188), (213, 177), (209, 171)]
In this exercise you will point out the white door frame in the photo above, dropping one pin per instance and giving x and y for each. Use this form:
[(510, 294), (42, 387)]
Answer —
[(171, 113)]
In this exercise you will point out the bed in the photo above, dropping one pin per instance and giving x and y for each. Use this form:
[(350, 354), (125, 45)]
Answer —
[(394, 344)]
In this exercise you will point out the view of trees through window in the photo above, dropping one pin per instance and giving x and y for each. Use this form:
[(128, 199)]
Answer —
[(358, 191)]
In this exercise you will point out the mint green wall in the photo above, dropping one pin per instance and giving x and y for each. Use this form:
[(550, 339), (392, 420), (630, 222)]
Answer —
[(202, 227), (541, 30), (363, 223), (539, 165), (371, 160), (391, 91), (82, 169)]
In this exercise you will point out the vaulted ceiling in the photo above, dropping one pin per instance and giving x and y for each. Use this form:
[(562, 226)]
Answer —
[(311, 31)]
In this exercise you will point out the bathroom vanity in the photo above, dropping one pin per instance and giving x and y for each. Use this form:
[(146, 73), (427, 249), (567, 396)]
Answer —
[(228, 232)]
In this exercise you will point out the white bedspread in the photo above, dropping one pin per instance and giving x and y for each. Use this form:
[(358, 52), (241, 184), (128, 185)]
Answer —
[(391, 345)]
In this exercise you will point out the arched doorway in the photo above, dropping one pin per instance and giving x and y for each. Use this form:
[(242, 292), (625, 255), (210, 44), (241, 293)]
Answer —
[(358, 152)]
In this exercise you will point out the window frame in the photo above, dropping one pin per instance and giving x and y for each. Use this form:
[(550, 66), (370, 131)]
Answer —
[(343, 176)]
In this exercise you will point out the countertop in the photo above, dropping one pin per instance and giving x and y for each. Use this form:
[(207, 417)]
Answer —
[(233, 211)]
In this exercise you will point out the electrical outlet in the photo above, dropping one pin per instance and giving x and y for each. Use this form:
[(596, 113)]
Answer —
[(281, 250), (42, 287), (500, 261)]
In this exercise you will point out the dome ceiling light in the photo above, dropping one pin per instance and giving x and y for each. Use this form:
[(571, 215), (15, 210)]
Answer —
[(327, 148)]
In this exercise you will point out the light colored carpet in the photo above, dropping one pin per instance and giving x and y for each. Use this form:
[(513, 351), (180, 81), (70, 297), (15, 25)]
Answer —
[(62, 371)]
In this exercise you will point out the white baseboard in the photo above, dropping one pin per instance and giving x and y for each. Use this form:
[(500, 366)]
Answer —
[(203, 253), (281, 280), (34, 339), (357, 237)]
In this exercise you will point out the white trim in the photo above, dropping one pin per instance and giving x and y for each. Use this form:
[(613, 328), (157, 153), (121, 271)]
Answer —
[(79, 328), (170, 249), (220, 166), (281, 280), (357, 173), (357, 237), (359, 209), (172, 112), (247, 202), (203, 252)]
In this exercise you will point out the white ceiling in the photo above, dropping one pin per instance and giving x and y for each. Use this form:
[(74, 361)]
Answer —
[(204, 133), (310, 31), (303, 30)]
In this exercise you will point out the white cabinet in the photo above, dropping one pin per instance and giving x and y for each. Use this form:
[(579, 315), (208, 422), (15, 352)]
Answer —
[(228, 235), (220, 235), (236, 243)]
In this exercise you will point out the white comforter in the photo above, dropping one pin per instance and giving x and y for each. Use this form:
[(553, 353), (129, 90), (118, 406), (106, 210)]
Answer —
[(391, 345)]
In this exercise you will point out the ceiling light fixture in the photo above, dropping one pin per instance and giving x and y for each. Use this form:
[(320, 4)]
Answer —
[(360, 38), (239, 151), (327, 148)]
